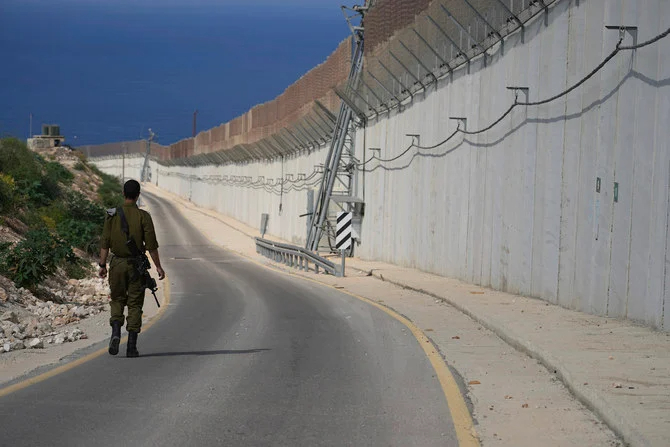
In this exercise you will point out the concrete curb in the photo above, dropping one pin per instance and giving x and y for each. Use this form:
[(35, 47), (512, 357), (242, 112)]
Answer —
[(590, 399)]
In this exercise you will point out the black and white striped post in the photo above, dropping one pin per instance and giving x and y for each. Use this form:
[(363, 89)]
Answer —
[(343, 237)]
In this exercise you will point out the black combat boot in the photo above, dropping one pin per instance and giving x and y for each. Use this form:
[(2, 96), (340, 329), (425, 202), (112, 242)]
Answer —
[(116, 338), (131, 350)]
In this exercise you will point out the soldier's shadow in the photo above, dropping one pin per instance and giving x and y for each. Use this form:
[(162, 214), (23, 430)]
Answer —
[(201, 353)]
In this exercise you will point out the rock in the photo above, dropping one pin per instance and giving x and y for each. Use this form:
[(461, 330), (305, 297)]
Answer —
[(44, 327), (72, 282), (80, 312), (31, 328), (10, 316), (59, 339), (3, 295), (59, 321), (7, 347), (35, 343), (89, 291), (16, 345)]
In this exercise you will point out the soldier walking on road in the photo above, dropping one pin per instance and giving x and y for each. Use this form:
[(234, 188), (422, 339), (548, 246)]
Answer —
[(123, 226)]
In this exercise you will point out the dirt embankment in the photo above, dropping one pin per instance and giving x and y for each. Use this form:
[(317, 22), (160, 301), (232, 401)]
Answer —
[(48, 314)]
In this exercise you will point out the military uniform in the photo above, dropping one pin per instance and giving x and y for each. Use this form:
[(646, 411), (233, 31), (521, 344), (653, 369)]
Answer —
[(125, 291)]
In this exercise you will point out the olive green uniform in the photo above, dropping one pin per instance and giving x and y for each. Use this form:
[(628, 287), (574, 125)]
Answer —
[(121, 270)]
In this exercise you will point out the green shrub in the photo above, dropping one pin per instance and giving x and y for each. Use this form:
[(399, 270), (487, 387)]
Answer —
[(83, 226), (78, 269), (81, 234), (7, 192), (110, 191), (18, 161), (38, 193), (80, 166), (78, 207), (54, 212), (48, 222), (97, 171), (36, 257), (59, 173)]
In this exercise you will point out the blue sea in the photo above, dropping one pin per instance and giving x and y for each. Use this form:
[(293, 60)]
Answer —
[(109, 70)]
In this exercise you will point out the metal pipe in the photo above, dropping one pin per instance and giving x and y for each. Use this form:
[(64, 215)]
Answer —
[(383, 86), (444, 33), (406, 69), (314, 123), (417, 59), (395, 78), (476, 11), (511, 13), (327, 112), (458, 24), (381, 103)]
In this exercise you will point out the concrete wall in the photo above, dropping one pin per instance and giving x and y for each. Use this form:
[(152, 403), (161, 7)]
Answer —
[(515, 208), (244, 203)]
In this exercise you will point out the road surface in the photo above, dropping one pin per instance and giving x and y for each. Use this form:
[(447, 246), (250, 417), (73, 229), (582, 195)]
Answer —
[(243, 356)]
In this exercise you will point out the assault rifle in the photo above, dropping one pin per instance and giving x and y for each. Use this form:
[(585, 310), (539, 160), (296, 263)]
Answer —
[(142, 266), (140, 260)]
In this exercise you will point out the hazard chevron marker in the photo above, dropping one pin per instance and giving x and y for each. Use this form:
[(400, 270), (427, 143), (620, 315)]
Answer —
[(343, 238)]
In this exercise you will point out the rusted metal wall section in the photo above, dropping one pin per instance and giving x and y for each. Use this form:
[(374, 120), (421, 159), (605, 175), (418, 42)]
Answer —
[(295, 111)]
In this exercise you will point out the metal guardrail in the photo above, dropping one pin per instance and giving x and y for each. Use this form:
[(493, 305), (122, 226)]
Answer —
[(294, 256)]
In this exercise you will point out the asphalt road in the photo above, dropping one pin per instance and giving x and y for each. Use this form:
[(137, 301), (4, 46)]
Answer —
[(243, 356)]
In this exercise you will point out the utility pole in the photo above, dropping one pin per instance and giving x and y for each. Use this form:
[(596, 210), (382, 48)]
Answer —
[(195, 117), (123, 168), (143, 174), (30, 132)]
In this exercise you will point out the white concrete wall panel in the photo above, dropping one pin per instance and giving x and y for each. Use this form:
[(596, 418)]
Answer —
[(517, 207), (660, 185), (514, 208)]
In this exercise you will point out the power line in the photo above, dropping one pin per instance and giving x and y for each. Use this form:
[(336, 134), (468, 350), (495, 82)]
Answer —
[(517, 103)]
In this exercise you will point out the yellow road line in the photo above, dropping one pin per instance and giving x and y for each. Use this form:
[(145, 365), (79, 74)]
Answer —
[(61, 369), (460, 415)]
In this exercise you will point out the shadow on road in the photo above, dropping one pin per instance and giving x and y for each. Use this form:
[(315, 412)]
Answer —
[(199, 353)]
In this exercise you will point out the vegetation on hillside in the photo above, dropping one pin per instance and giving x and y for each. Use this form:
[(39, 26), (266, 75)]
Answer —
[(55, 217)]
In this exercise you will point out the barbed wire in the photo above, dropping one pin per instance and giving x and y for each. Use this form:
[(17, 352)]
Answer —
[(281, 186)]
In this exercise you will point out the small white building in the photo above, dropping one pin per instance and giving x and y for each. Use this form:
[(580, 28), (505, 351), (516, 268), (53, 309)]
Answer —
[(49, 139)]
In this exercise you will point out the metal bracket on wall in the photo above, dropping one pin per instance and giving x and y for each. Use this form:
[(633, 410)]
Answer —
[(416, 138), (516, 91), (461, 120), (623, 29), (632, 30)]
